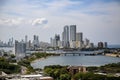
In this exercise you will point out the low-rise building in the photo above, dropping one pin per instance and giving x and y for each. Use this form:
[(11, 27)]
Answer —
[(76, 69)]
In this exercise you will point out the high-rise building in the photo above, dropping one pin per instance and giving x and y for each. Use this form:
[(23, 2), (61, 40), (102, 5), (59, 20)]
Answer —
[(86, 42), (20, 49), (29, 44), (51, 42), (26, 39), (10, 43), (35, 41), (72, 32), (100, 44), (105, 45), (79, 40), (65, 36), (91, 45), (57, 37), (72, 36), (54, 41)]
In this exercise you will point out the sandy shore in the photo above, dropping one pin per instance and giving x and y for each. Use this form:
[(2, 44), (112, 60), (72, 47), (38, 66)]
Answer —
[(112, 55), (38, 59)]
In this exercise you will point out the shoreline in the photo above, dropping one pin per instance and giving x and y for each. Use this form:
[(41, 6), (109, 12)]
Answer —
[(38, 59), (112, 55), (43, 58)]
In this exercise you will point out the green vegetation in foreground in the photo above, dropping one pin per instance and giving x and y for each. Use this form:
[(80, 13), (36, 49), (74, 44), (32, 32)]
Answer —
[(108, 68), (57, 72), (60, 72), (27, 64), (27, 60), (7, 67), (7, 64)]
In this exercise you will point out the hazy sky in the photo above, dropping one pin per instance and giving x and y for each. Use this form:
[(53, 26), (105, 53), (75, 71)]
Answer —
[(99, 20)]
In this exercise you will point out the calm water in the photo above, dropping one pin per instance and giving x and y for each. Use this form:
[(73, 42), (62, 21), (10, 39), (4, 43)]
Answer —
[(72, 60), (75, 60)]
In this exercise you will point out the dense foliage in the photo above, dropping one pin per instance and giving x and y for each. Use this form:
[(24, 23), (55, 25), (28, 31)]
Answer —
[(57, 72), (27, 64), (7, 67), (60, 73), (108, 68)]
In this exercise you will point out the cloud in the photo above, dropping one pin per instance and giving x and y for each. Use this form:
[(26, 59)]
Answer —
[(39, 21), (21, 21), (10, 22)]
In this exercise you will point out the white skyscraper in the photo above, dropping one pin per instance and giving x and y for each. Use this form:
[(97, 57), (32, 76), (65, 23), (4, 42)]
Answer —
[(72, 32), (65, 36), (73, 36)]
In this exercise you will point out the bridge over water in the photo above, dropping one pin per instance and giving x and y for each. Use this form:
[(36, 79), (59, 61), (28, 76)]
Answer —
[(81, 53)]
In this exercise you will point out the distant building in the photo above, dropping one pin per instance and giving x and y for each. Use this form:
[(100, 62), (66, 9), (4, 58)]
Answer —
[(55, 41), (105, 45), (79, 40), (60, 44), (100, 45), (20, 49), (72, 32), (65, 36), (86, 43), (7, 44), (79, 36), (44, 45), (72, 36), (26, 39), (35, 42), (72, 44), (91, 45)]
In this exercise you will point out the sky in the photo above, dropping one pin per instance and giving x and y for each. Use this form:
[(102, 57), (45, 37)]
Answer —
[(99, 20)]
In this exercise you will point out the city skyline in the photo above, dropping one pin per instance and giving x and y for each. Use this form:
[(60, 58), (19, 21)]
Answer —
[(48, 17)]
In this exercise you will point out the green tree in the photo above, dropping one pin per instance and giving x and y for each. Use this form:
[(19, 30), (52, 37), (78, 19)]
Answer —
[(65, 77), (12, 56)]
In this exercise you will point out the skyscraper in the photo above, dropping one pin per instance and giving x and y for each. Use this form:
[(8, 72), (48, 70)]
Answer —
[(54, 41), (20, 49), (72, 36), (87, 42), (65, 36), (72, 32), (79, 36), (26, 39), (79, 40), (105, 45), (100, 44), (57, 39), (36, 41)]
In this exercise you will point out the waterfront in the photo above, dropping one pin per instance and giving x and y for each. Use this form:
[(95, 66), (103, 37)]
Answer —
[(75, 60)]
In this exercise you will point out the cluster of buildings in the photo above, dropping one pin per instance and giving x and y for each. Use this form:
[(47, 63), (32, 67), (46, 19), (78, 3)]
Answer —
[(7, 44), (70, 39), (27, 46), (20, 48), (73, 39)]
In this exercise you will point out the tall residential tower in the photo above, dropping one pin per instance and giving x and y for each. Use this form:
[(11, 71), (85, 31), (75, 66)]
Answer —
[(65, 36), (72, 36)]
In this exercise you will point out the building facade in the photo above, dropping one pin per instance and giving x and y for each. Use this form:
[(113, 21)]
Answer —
[(72, 32), (65, 36), (20, 49)]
